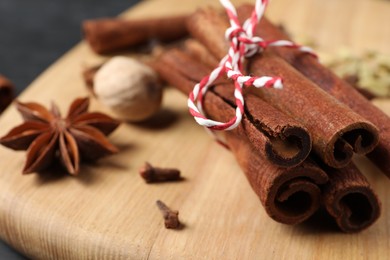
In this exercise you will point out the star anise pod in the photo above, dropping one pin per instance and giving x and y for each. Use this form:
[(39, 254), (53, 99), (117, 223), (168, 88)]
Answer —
[(81, 135)]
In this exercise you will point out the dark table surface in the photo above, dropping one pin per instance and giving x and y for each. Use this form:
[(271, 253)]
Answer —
[(33, 34)]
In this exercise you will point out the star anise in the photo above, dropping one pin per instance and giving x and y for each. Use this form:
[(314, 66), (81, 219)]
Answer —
[(81, 135)]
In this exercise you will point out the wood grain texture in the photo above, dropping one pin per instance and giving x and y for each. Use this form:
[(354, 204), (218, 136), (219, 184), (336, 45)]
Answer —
[(109, 212)]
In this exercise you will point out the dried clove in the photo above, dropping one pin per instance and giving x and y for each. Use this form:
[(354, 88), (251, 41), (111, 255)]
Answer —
[(155, 174), (171, 217)]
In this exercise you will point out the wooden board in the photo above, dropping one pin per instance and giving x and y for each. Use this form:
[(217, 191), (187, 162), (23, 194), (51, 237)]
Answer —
[(109, 212)]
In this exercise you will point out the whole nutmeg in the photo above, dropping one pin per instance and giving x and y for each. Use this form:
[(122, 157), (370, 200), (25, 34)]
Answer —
[(130, 88)]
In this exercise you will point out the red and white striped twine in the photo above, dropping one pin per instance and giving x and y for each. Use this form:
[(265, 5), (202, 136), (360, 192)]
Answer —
[(242, 45)]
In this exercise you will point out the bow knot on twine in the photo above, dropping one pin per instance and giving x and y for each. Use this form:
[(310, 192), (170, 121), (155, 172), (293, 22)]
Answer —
[(243, 44)]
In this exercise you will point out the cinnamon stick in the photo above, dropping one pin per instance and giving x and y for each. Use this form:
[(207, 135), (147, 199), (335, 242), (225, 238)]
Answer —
[(350, 200), (332, 84), (277, 137), (336, 130), (258, 112), (109, 35), (289, 196), (7, 90), (197, 51)]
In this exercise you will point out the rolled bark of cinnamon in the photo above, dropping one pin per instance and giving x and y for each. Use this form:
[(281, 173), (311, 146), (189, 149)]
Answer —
[(277, 137), (336, 130), (350, 200), (7, 90), (109, 35), (332, 84), (289, 196)]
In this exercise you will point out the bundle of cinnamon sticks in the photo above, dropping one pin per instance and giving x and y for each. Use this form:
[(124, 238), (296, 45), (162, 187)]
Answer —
[(294, 145)]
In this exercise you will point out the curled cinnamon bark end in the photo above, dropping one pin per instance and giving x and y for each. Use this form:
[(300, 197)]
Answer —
[(350, 200), (110, 35), (289, 196), (294, 195), (290, 148), (360, 138)]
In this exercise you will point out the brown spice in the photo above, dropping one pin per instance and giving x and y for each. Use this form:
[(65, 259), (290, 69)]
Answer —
[(329, 82), (109, 35), (81, 135), (288, 195), (171, 217), (7, 94), (350, 200), (156, 174), (300, 98)]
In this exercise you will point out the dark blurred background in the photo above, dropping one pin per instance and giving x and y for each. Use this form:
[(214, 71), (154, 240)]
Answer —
[(35, 33)]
